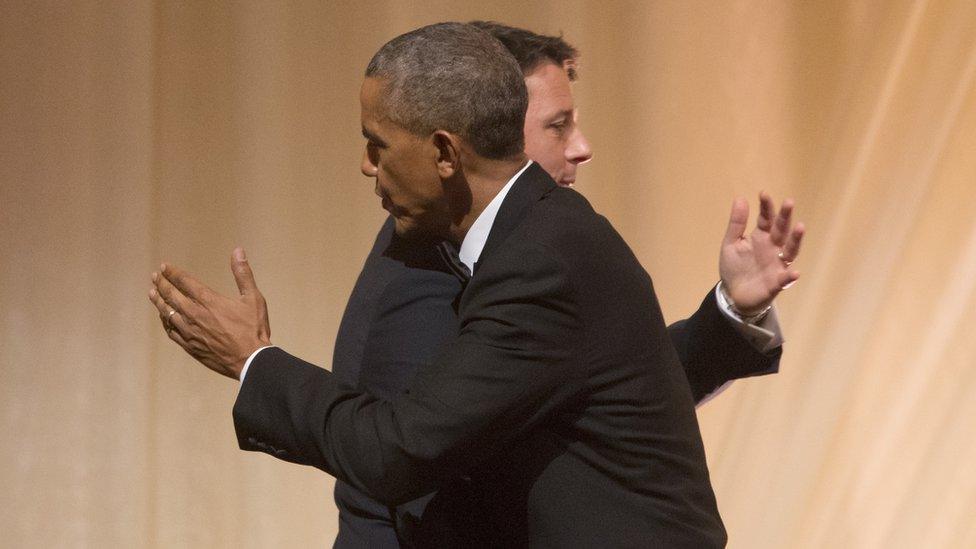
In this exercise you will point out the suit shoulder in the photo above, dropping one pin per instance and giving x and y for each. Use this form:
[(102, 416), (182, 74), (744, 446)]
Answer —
[(565, 221)]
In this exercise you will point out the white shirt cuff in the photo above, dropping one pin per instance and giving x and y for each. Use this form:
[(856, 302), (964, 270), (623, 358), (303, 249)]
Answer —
[(764, 336), (247, 363)]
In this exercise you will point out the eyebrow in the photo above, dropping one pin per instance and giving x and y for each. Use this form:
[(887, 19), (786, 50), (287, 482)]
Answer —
[(372, 137), (568, 113)]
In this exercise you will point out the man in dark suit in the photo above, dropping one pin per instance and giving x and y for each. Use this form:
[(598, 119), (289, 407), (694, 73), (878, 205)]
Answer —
[(399, 314), (559, 414)]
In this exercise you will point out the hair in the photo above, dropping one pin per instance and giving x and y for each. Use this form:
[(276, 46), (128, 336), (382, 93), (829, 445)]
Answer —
[(531, 49), (454, 77)]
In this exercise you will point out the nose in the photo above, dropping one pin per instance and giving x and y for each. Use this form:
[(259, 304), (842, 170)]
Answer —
[(367, 166), (578, 150)]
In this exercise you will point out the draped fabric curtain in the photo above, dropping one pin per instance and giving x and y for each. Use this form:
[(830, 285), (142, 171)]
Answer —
[(133, 132)]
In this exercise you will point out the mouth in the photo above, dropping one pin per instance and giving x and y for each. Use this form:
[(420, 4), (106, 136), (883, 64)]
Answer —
[(384, 200)]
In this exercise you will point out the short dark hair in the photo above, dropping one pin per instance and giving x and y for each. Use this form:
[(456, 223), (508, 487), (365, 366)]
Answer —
[(454, 77), (531, 49)]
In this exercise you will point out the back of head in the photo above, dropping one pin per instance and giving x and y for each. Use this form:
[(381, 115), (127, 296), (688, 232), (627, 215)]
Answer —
[(454, 77), (532, 49)]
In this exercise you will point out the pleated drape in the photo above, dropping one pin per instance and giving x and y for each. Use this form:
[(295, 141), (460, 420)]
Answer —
[(136, 132)]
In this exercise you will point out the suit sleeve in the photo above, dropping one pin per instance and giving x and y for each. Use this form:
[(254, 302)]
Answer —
[(510, 368), (713, 353)]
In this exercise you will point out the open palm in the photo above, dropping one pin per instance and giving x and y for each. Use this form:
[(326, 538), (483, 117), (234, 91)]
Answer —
[(756, 267)]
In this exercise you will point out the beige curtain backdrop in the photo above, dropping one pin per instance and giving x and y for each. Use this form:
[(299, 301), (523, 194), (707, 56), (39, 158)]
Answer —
[(133, 132)]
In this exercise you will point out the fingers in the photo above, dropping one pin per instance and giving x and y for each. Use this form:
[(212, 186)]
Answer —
[(737, 220), (176, 336), (781, 225), (788, 278), (161, 305), (168, 316), (242, 273), (171, 295), (792, 247), (766, 212), (186, 284)]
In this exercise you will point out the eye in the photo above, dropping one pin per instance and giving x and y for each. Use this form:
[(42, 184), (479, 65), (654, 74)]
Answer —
[(559, 126)]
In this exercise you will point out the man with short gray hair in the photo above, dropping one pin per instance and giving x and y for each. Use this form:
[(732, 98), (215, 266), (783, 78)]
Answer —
[(559, 415), (419, 101), (378, 348)]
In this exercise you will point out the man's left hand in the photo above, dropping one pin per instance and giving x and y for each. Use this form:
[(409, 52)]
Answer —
[(221, 332), (756, 267)]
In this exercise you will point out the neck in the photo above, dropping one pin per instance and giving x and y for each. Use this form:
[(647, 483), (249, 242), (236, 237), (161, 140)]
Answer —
[(485, 178)]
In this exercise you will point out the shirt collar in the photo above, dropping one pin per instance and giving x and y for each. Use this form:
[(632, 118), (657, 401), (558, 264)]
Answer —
[(474, 241)]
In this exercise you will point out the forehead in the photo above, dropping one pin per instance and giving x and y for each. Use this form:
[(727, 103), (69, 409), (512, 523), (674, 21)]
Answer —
[(370, 98), (549, 89)]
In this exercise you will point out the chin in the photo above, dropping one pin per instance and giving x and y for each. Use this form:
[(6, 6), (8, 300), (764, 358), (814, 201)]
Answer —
[(403, 227), (409, 229), (561, 178), (413, 229)]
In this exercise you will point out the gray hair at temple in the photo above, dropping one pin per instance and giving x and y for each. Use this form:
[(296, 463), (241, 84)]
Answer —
[(454, 77)]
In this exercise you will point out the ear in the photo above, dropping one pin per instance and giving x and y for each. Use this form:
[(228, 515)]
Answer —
[(448, 153)]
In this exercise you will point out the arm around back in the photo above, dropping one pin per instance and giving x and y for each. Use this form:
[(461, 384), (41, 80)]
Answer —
[(511, 366)]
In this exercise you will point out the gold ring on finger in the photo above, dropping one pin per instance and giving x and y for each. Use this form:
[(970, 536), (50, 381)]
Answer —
[(782, 257)]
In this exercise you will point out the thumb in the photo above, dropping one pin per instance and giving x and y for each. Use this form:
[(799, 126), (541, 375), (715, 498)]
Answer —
[(242, 273), (737, 220)]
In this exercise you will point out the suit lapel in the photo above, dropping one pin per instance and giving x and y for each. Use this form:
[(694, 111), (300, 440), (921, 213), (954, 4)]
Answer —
[(531, 186)]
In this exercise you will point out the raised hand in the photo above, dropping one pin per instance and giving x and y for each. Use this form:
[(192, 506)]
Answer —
[(758, 266), (221, 332)]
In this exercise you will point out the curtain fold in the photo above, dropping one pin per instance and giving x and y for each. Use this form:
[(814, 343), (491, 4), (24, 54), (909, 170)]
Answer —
[(136, 132)]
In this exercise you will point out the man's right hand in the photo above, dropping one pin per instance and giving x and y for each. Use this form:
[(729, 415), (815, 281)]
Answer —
[(220, 332)]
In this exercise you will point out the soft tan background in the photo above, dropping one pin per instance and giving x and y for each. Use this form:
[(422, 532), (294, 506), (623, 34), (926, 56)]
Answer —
[(132, 132)]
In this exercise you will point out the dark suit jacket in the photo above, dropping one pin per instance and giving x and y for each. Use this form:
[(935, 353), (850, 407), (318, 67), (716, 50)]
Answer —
[(400, 314), (398, 317), (559, 415)]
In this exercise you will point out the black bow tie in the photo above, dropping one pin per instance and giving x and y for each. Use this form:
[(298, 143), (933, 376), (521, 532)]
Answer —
[(449, 253)]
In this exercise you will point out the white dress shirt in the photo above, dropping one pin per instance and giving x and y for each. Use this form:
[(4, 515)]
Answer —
[(476, 237)]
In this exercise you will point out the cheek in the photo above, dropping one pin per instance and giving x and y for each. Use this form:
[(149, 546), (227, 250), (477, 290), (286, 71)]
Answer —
[(550, 155), (554, 167), (389, 172), (405, 186)]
